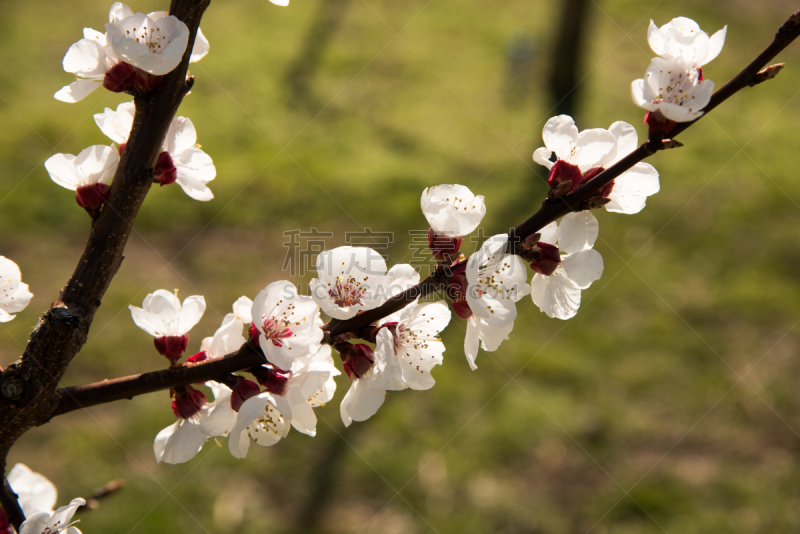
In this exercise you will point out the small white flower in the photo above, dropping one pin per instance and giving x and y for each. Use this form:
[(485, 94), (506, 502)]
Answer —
[(559, 295), (289, 324), (673, 88), (280, 2), (94, 165), (351, 279), (180, 441), (35, 493), (161, 313), (265, 419), (681, 38), (14, 294), (479, 332), (53, 523), (180, 160), (496, 281), (154, 43), (592, 150), (94, 56), (452, 209)]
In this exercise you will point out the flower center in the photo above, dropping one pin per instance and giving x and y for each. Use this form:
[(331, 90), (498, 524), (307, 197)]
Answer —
[(276, 330), (266, 423), (153, 39), (347, 293)]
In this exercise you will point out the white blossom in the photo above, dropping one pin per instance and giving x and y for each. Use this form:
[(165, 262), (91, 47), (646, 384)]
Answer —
[(351, 279), (452, 209), (154, 43), (264, 419), (14, 294), (311, 384), (53, 523), (161, 313), (681, 38), (289, 324), (35, 493), (94, 165), (184, 163), (597, 148), (89, 60), (496, 281), (559, 295), (674, 89)]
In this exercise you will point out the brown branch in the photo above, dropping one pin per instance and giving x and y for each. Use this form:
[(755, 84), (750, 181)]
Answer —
[(128, 387), (10, 503), (28, 386)]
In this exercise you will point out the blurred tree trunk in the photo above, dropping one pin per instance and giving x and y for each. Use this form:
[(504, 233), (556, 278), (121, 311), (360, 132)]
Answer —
[(566, 56), (303, 68)]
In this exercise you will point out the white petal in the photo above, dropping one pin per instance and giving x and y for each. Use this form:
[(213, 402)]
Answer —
[(560, 135), (452, 209), (35, 492), (200, 48), (361, 402), (632, 188), (242, 308), (556, 295), (220, 417), (191, 312), (86, 58), (179, 443), (97, 164), (656, 39), (583, 267), (578, 231), (627, 140), (400, 278), (61, 168), (715, 44), (180, 136), (593, 148), (280, 2), (63, 515), (492, 337), (194, 188), (542, 157), (471, 342), (77, 90), (637, 93), (117, 124)]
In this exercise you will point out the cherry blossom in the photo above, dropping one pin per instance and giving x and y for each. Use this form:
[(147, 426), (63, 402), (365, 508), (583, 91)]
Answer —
[(35, 493), (407, 348), (264, 419), (180, 160), (674, 89), (452, 212), (581, 156), (351, 279), (14, 294), (163, 316), (87, 174), (308, 384), (681, 38), (135, 51), (55, 522), (497, 280), (289, 324), (559, 293)]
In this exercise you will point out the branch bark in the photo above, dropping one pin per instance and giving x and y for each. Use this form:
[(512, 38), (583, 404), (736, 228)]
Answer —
[(28, 386), (246, 357)]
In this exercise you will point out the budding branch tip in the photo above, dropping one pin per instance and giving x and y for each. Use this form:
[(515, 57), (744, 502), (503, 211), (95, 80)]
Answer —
[(767, 73)]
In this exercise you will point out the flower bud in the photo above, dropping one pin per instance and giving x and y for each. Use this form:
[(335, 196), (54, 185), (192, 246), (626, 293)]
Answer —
[(562, 172), (165, 172), (243, 390), (187, 402), (172, 347), (545, 258), (443, 245), (90, 197), (199, 357), (462, 309), (274, 379), (357, 359)]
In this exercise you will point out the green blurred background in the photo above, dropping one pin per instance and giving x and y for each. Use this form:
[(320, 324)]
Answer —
[(668, 404)]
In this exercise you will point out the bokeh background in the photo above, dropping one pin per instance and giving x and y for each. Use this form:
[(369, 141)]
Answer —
[(668, 404)]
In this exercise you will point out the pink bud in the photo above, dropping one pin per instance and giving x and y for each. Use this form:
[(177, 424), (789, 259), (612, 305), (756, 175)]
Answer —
[(165, 172), (199, 357), (188, 403), (357, 359), (243, 390), (274, 380), (443, 245), (172, 347), (462, 309), (546, 258), (91, 197)]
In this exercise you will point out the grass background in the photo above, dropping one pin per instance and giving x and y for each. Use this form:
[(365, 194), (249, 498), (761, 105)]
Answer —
[(668, 404)]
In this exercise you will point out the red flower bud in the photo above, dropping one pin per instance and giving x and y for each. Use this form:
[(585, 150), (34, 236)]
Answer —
[(172, 347), (91, 197), (443, 245), (546, 258), (356, 359), (274, 380), (243, 390), (199, 357), (165, 172), (462, 309), (188, 402)]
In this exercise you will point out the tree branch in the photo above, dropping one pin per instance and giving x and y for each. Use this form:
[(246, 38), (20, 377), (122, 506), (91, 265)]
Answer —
[(246, 357), (28, 386), (10, 503)]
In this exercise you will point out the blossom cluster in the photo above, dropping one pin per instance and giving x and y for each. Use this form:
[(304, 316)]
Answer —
[(37, 496)]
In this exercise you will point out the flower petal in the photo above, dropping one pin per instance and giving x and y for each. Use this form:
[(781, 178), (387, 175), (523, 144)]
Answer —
[(361, 402), (77, 90), (583, 267), (560, 135), (578, 231)]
